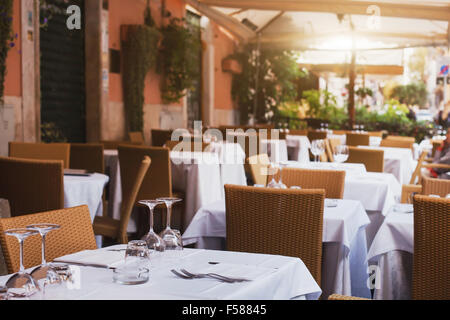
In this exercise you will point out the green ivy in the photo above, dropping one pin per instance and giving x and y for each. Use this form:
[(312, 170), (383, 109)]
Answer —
[(6, 38), (50, 133), (178, 59), (139, 52), (411, 94)]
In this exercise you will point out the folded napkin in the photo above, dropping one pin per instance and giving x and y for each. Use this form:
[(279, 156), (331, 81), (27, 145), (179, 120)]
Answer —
[(94, 258)]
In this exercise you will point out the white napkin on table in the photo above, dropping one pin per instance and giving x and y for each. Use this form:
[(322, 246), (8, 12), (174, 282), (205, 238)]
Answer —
[(94, 258)]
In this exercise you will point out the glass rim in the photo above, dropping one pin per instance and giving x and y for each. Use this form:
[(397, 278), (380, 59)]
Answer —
[(35, 226), (20, 230)]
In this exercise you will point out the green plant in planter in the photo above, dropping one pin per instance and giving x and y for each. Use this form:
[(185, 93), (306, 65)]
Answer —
[(6, 38), (51, 133), (177, 59), (139, 52)]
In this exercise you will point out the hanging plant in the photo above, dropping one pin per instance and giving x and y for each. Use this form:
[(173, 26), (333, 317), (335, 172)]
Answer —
[(49, 8), (139, 48), (178, 59), (6, 40)]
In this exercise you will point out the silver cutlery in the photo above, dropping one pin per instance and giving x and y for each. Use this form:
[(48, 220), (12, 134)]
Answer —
[(214, 275)]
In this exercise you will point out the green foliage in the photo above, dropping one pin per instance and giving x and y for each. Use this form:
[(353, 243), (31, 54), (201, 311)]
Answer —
[(49, 8), (364, 92), (276, 70), (178, 59), (410, 94), (140, 51), (6, 37), (51, 133)]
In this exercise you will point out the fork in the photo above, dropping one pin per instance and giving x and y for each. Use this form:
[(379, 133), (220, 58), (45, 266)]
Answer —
[(214, 275), (191, 276)]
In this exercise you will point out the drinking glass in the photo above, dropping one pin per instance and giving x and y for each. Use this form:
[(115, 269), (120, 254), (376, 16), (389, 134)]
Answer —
[(171, 237), (317, 149), (153, 240), (280, 183), (137, 254), (273, 170), (340, 153), (22, 283)]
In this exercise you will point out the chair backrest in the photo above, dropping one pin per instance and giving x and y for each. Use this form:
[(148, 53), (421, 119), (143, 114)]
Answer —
[(298, 132), (375, 133), (335, 296), (372, 159), (436, 144), (132, 175), (136, 137), (316, 135), (32, 185), (87, 156), (431, 265), (417, 171), (393, 143), (159, 137), (158, 179), (334, 142), (440, 187), (259, 166), (332, 181), (187, 146), (401, 138), (41, 151), (114, 145), (409, 191), (340, 132), (76, 234), (275, 134), (249, 142), (329, 151), (357, 139), (276, 221)]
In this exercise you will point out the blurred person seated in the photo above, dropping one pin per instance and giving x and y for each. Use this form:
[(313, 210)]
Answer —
[(442, 156)]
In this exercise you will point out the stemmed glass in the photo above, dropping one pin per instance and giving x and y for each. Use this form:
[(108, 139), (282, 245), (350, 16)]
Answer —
[(317, 149), (171, 237), (22, 283), (153, 240), (273, 170), (280, 183), (340, 153)]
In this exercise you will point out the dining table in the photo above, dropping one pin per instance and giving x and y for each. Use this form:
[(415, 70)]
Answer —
[(298, 148), (270, 277), (344, 266)]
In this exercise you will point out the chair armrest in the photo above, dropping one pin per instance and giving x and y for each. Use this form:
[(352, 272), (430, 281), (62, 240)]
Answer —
[(436, 165)]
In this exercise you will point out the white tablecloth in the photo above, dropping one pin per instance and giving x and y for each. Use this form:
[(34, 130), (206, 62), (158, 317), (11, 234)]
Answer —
[(298, 148), (232, 159), (276, 149), (112, 169), (81, 190), (398, 161), (273, 278), (392, 250), (344, 259), (349, 168)]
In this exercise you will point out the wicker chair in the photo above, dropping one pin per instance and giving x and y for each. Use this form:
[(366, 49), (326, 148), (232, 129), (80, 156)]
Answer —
[(132, 176), (408, 192), (298, 132), (357, 139), (341, 297), (32, 185), (401, 138), (159, 137), (87, 156), (259, 166), (275, 221), (114, 145), (75, 235), (438, 187), (41, 151), (276, 135), (431, 266), (334, 142), (332, 181), (189, 146), (329, 151), (393, 143), (340, 132), (136, 137), (316, 135), (375, 134), (372, 159)]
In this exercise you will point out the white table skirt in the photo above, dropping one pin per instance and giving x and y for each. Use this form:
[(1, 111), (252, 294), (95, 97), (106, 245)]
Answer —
[(273, 278), (344, 259), (80, 190), (300, 146), (276, 149), (349, 168)]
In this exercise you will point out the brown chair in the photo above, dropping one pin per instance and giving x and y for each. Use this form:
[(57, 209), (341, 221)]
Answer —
[(340, 132), (372, 159), (188, 146), (75, 235), (431, 266), (435, 186), (401, 138), (132, 174), (357, 139), (159, 137), (87, 156), (259, 168), (334, 142), (250, 143), (316, 135), (393, 143), (41, 151), (417, 171), (329, 151), (136, 137), (32, 185), (332, 181), (376, 134), (114, 145), (298, 132), (436, 144), (276, 221), (341, 297), (409, 191), (275, 134)]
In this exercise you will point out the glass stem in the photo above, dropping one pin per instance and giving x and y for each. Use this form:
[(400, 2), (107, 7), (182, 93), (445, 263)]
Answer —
[(22, 269), (280, 180), (169, 216), (43, 249), (151, 219)]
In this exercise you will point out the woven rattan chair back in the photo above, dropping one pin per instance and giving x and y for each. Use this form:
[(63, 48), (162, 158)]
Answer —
[(259, 168), (87, 156), (114, 145), (136, 137), (298, 132), (341, 297), (334, 142), (393, 143), (401, 138), (431, 265), (433, 186), (187, 146), (159, 137), (329, 151), (75, 235), (372, 159), (31, 185), (276, 221), (41, 151), (357, 139), (316, 135), (416, 174), (332, 181), (376, 134)]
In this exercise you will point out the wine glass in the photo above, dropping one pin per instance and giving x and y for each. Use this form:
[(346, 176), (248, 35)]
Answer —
[(21, 283), (280, 183), (171, 237), (154, 242), (340, 153), (273, 170), (317, 149)]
